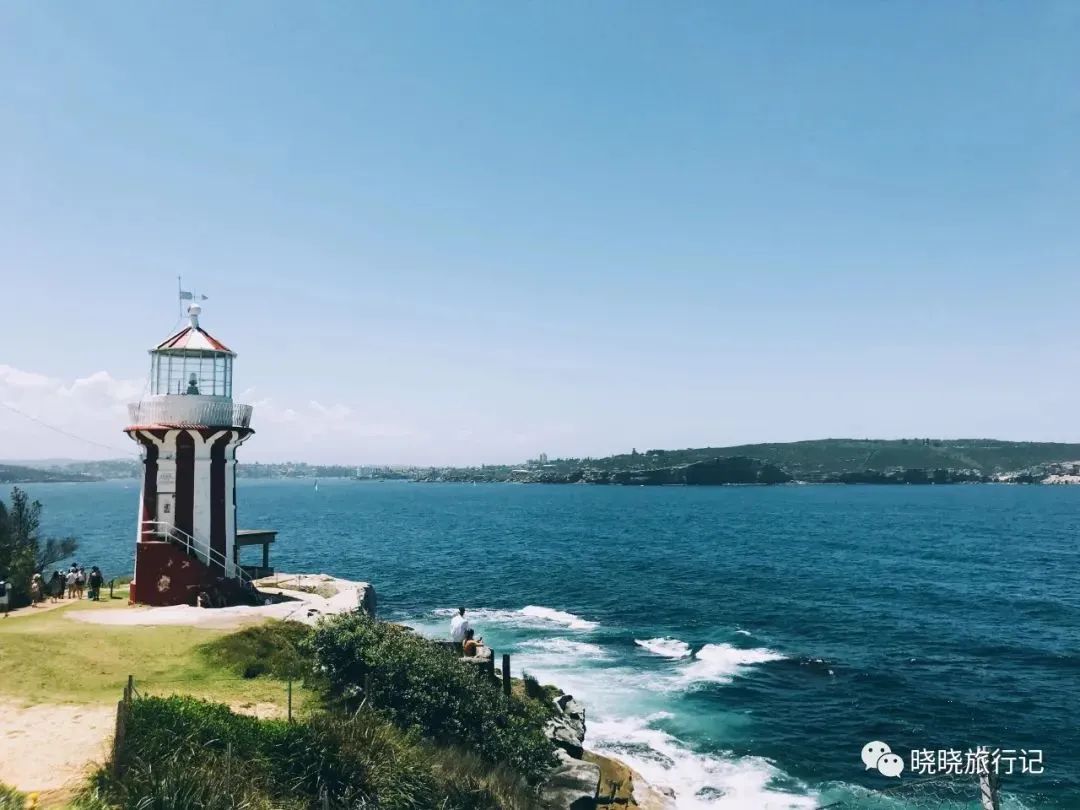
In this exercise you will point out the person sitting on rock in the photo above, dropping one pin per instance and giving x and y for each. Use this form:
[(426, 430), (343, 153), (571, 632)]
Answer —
[(471, 645)]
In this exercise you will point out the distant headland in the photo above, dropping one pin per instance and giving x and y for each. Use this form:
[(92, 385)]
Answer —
[(819, 461)]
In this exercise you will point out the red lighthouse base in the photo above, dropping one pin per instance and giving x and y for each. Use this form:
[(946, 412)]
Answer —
[(166, 574)]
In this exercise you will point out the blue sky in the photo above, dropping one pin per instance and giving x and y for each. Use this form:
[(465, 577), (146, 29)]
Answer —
[(465, 232)]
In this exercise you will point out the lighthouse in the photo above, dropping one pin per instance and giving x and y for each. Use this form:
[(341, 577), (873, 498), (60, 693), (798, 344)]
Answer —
[(188, 429)]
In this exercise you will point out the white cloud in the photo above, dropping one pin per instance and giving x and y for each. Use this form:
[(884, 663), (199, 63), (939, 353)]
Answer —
[(94, 409), (15, 378)]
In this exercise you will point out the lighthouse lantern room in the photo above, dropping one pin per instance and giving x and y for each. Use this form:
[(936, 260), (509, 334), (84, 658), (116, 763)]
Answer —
[(188, 429)]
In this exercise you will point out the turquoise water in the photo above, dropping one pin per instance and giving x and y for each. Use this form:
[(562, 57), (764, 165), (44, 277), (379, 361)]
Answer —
[(738, 644)]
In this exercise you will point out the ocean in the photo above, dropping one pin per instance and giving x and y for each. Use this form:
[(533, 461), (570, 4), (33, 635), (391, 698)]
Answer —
[(738, 644)]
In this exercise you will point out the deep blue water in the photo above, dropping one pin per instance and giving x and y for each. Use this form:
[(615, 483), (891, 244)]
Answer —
[(816, 618)]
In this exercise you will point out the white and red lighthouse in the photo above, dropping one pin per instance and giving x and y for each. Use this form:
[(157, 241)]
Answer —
[(188, 429)]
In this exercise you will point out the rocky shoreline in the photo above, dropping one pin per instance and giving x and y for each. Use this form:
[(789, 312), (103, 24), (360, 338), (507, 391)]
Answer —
[(584, 779)]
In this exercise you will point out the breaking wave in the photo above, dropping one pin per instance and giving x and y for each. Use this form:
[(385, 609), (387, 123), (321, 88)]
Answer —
[(720, 663), (558, 617), (667, 647), (558, 650), (699, 780), (535, 616)]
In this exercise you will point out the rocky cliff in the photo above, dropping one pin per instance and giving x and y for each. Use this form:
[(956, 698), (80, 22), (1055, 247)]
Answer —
[(584, 780)]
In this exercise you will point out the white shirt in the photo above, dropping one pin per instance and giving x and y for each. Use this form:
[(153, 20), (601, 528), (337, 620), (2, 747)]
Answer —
[(459, 626)]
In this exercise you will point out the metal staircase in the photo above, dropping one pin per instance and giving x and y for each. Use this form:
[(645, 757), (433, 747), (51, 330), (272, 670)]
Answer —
[(199, 549)]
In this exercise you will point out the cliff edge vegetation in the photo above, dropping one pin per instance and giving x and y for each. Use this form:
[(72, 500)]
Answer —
[(395, 722)]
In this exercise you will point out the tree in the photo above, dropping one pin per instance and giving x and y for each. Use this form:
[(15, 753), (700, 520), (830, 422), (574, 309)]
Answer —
[(22, 550)]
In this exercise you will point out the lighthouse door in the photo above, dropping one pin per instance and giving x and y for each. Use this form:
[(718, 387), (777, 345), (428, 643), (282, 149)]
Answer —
[(166, 495), (165, 510)]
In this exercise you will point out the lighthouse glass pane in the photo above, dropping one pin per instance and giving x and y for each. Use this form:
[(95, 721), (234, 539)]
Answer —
[(201, 373)]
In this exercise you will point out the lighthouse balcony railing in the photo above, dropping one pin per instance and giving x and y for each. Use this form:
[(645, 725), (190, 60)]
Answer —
[(199, 549), (190, 410)]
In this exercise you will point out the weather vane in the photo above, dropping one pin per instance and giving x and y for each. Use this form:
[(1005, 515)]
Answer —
[(186, 295)]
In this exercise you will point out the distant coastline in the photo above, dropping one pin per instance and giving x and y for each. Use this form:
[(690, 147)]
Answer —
[(822, 461), (17, 474)]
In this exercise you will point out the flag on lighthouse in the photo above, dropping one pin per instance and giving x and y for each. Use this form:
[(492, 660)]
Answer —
[(185, 295)]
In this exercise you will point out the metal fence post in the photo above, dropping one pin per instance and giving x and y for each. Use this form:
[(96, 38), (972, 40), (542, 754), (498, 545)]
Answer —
[(506, 674), (290, 700), (118, 737), (988, 791)]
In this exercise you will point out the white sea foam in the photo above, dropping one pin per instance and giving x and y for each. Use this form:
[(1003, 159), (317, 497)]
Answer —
[(558, 650), (743, 632), (720, 663), (528, 616), (667, 647), (627, 704), (700, 781), (558, 617)]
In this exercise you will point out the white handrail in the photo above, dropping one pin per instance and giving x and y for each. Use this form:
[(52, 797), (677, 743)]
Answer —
[(198, 548)]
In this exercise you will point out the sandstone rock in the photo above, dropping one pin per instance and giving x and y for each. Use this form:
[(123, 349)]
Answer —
[(564, 737), (572, 786), (652, 797), (567, 728)]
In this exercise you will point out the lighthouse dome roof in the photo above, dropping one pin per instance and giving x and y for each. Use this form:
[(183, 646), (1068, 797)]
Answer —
[(193, 338)]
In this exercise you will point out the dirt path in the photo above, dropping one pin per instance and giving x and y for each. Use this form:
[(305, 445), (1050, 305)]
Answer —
[(40, 607), (51, 747)]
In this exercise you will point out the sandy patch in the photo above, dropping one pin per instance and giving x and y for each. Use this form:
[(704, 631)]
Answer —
[(264, 711), (51, 747)]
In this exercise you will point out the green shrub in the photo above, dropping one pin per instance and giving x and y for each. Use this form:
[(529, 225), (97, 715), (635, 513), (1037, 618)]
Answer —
[(11, 799), (424, 687), (270, 649), (533, 689), (182, 753)]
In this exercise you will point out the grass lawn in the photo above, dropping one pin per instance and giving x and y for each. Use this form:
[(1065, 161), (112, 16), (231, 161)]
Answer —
[(50, 658)]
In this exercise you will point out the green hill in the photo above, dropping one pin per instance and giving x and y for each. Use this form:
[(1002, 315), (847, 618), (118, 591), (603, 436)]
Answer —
[(815, 459)]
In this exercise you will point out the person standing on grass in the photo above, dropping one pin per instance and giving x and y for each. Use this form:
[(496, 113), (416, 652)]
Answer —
[(5, 596), (459, 626), (71, 576), (56, 587), (94, 580), (37, 590), (80, 582)]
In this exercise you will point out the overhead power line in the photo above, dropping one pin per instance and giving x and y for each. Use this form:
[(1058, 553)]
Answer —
[(62, 432)]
